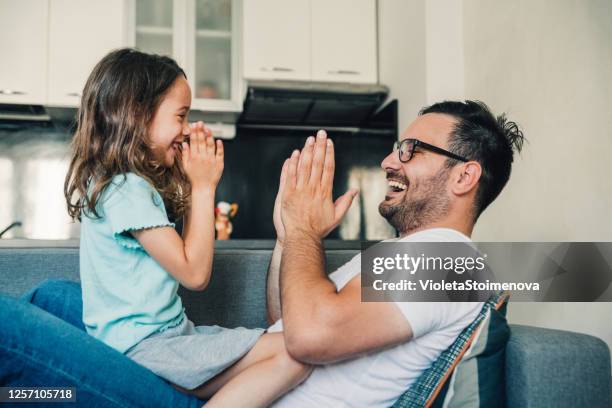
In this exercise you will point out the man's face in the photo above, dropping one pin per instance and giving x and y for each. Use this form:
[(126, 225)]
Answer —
[(417, 191)]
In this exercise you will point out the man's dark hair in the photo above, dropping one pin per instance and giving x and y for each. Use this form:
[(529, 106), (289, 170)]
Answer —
[(480, 136)]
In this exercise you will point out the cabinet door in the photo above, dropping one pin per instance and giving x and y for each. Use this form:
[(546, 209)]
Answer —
[(213, 55), (344, 41), (81, 32), (154, 29), (23, 51), (276, 39)]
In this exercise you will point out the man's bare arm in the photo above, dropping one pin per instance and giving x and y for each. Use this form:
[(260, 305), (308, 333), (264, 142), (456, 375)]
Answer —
[(273, 289), (273, 286), (323, 326)]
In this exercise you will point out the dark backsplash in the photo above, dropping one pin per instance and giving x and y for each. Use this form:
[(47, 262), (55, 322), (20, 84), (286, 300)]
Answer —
[(252, 169), (33, 163)]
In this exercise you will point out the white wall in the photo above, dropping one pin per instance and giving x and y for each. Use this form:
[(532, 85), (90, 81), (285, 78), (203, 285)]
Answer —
[(420, 53), (401, 55), (444, 50), (548, 64)]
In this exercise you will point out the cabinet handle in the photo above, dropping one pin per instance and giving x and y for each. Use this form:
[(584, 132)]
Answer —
[(77, 94), (11, 92), (278, 69), (343, 72)]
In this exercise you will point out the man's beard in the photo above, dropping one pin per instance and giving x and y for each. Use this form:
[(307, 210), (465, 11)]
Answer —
[(428, 203)]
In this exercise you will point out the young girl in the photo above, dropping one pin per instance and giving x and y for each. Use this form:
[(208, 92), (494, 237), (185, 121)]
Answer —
[(130, 160)]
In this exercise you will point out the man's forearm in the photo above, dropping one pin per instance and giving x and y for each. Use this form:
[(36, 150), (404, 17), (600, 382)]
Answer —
[(304, 284), (273, 286)]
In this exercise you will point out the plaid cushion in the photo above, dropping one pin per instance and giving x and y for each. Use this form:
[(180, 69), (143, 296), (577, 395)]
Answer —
[(425, 389)]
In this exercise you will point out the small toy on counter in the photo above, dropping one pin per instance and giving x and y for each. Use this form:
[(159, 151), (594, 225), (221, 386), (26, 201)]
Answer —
[(223, 213)]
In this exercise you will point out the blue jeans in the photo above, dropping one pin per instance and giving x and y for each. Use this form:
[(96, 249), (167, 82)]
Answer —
[(43, 344)]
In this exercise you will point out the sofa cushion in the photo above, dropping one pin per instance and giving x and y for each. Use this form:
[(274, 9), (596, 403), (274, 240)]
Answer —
[(21, 269), (555, 368), (478, 353), (236, 295), (479, 377)]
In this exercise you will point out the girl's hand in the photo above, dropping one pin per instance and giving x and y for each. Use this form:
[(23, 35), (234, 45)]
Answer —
[(202, 157)]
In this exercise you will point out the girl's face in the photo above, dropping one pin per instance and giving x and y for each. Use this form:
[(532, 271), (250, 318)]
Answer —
[(169, 125)]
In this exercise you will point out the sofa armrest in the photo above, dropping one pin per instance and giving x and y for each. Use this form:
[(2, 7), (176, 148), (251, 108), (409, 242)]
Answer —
[(554, 368)]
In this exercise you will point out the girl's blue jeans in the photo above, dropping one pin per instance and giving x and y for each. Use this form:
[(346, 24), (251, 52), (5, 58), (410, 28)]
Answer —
[(43, 343)]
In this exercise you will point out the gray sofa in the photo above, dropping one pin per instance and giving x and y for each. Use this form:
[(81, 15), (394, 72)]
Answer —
[(544, 368)]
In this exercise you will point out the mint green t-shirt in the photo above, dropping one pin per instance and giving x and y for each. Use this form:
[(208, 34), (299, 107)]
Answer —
[(127, 295)]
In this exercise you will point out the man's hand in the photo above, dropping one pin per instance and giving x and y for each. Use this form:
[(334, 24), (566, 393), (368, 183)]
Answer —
[(307, 205)]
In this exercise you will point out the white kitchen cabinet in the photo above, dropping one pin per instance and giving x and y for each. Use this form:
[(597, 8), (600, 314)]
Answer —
[(154, 26), (213, 54), (276, 39), (344, 41), (203, 36), (81, 32), (311, 40), (23, 51)]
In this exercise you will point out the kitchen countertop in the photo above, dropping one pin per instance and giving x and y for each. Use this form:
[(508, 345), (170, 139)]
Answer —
[(253, 244)]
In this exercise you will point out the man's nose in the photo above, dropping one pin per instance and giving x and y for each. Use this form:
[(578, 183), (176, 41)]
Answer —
[(391, 162)]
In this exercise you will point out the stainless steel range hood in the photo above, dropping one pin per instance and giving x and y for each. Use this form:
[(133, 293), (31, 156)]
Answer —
[(309, 106), (268, 105), (23, 113)]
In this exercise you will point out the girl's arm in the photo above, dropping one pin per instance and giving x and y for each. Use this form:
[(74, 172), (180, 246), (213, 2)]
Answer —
[(185, 222), (189, 259)]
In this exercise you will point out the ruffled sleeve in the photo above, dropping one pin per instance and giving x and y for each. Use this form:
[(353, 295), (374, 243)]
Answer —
[(132, 204)]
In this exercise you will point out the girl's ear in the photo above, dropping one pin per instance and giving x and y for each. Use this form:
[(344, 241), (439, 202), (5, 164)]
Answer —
[(466, 178)]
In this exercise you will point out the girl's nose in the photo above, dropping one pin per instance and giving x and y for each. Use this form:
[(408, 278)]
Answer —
[(186, 128)]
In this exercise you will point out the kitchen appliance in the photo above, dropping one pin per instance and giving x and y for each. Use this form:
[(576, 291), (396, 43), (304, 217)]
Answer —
[(282, 105)]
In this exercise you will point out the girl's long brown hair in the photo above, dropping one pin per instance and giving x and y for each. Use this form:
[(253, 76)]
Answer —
[(119, 101)]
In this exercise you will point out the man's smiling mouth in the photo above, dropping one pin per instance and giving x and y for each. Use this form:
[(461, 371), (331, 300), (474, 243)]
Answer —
[(396, 186)]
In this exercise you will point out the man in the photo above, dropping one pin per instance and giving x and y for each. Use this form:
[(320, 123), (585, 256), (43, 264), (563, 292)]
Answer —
[(447, 167)]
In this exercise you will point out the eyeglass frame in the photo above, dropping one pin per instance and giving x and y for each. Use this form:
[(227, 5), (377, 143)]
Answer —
[(418, 143)]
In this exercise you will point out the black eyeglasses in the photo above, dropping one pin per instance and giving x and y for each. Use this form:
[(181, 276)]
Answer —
[(406, 147)]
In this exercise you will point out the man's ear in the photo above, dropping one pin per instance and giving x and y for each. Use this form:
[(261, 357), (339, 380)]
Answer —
[(466, 178)]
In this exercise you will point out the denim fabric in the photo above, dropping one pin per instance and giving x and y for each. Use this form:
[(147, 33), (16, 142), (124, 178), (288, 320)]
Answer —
[(40, 349), (61, 298)]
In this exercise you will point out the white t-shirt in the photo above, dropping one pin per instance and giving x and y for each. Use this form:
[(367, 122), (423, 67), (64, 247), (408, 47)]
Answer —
[(379, 378)]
